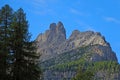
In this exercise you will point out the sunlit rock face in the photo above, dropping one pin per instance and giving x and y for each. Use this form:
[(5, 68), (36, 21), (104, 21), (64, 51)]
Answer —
[(53, 42), (88, 46), (48, 42)]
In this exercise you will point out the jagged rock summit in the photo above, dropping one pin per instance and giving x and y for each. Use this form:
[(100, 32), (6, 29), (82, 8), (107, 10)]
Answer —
[(53, 42), (49, 42)]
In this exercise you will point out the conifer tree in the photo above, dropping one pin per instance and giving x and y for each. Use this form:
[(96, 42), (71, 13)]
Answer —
[(5, 21), (25, 65), (18, 57)]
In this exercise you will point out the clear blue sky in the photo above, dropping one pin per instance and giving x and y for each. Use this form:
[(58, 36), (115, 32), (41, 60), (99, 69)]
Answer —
[(97, 15)]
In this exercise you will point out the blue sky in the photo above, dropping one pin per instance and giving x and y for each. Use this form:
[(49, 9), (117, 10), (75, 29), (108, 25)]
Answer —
[(97, 15)]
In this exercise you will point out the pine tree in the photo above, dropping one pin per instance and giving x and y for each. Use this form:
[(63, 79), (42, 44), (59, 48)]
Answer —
[(18, 57), (5, 21), (25, 65)]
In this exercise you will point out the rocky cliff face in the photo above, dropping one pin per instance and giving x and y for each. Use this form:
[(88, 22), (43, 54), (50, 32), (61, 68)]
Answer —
[(49, 42), (60, 57), (53, 42)]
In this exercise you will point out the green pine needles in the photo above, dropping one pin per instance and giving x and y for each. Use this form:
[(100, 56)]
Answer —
[(18, 59)]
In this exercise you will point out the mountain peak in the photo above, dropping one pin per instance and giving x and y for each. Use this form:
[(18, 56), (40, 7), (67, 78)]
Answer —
[(59, 23), (56, 50), (52, 26), (75, 32), (53, 42)]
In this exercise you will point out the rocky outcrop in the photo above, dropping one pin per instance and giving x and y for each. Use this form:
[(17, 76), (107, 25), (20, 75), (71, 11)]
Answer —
[(49, 42), (53, 42), (60, 57), (87, 38)]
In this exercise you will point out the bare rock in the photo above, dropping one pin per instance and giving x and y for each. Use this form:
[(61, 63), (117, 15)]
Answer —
[(53, 42)]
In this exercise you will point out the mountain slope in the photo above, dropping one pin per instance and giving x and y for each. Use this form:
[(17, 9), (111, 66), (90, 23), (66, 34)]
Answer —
[(54, 42), (61, 57)]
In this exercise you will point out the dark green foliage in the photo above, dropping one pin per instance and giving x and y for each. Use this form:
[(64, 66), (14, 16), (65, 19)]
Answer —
[(5, 21), (83, 74), (18, 57), (67, 58), (25, 65), (66, 63)]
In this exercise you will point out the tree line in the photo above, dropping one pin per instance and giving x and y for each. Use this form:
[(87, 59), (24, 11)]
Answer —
[(18, 57)]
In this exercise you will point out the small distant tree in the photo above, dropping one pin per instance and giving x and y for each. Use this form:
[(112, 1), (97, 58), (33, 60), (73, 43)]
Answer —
[(83, 74)]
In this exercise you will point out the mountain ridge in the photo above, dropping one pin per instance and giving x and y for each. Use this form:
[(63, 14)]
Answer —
[(54, 42), (61, 56)]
